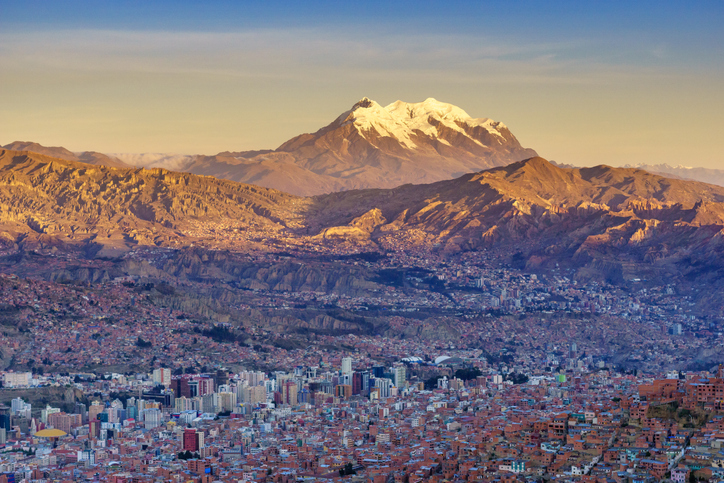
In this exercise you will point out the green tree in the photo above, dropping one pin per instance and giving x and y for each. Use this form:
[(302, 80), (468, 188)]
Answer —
[(347, 469), (468, 373), (143, 343)]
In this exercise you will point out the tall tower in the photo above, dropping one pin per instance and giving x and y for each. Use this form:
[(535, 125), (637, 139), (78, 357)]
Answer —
[(347, 366)]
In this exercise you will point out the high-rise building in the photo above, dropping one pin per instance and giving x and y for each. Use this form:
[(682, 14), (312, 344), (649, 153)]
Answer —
[(253, 395), (47, 412), (5, 416), (208, 403), (162, 376), (180, 386), (94, 428), (357, 383), (206, 385), (222, 377), (193, 440), (383, 385), (252, 378), (399, 375), (224, 401), (81, 409), (94, 410), (343, 391), (347, 365), (152, 418), (289, 392), (189, 404), (65, 422), (21, 408)]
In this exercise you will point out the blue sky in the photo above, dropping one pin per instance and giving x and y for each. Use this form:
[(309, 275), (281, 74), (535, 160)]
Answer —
[(581, 82)]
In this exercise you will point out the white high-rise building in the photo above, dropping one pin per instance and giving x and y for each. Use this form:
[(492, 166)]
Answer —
[(383, 385), (399, 374), (152, 418), (88, 455), (20, 408), (47, 412), (224, 401), (346, 365), (162, 376)]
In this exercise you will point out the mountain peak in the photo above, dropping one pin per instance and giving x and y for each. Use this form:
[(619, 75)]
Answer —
[(365, 102), (371, 145), (535, 166)]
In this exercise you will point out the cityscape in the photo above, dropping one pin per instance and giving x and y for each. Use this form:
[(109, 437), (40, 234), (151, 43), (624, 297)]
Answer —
[(283, 242)]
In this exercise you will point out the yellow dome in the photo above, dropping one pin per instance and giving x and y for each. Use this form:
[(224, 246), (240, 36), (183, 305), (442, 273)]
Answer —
[(50, 433)]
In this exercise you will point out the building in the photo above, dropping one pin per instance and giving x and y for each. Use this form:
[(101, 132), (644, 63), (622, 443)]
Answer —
[(224, 401), (47, 412), (399, 376), (187, 404), (193, 440), (180, 386), (162, 376), (383, 385), (343, 391), (88, 456), (289, 392), (20, 408), (253, 378), (357, 383), (17, 379), (65, 422), (94, 410), (253, 395), (347, 365), (152, 418)]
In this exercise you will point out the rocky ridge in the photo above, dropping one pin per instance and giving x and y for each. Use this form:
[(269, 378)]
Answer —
[(71, 202), (599, 218), (89, 157)]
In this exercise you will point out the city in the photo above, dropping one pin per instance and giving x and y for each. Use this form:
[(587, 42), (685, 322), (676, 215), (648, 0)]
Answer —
[(468, 422), (361, 242)]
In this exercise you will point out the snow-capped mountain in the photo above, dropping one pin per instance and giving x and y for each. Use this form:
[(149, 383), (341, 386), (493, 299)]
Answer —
[(415, 125), (368, 146), (375, 146), (371, 146)]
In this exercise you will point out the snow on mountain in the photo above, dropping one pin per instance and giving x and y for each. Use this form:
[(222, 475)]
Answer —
[(404, 120)]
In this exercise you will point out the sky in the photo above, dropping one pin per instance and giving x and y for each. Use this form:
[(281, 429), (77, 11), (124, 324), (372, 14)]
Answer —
[(584, 83)]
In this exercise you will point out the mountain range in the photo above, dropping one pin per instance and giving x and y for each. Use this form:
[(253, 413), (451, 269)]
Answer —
[(368, 146), (89, 157), (603, 221), (599, 220), (705, 175)]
